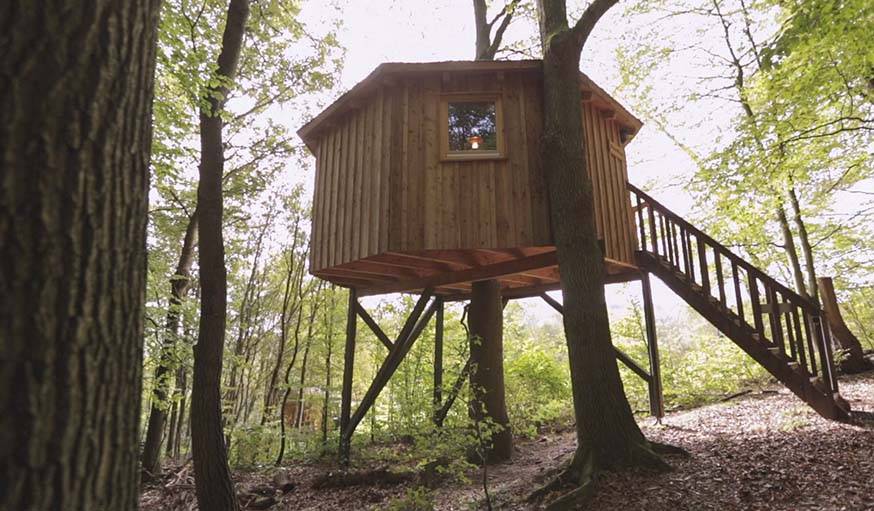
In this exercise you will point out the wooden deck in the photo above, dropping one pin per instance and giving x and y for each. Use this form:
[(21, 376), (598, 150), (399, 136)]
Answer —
[(522, 271)]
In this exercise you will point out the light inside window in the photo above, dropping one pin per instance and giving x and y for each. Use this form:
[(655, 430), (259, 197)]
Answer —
[(472, 126)]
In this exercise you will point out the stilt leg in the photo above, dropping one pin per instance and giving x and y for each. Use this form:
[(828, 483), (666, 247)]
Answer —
[(348, 363), (656, 400), (438, 359)]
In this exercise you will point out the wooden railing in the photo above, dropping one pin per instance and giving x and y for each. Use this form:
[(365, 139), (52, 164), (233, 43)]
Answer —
[(791, 326)]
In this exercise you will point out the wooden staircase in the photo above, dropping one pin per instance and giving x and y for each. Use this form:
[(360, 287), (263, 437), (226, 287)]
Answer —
[(784, 332)]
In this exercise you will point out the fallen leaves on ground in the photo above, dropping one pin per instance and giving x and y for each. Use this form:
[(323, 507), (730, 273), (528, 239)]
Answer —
[(756, 452)]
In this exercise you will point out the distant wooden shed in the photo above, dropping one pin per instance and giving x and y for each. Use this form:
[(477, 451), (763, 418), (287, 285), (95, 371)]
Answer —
[(429, 175)]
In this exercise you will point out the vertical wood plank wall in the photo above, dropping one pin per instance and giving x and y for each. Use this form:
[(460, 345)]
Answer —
[(381, 185)]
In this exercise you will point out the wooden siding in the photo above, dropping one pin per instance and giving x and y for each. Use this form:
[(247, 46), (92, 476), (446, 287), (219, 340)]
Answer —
[(381, 185)]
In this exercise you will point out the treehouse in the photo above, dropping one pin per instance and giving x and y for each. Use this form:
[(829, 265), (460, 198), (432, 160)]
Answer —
[(427, 170), (429, 180)]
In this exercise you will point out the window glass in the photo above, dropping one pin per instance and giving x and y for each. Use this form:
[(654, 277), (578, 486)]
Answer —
[(472, 126)]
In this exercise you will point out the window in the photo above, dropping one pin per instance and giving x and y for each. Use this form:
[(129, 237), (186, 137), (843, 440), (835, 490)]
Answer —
[(472, 127)]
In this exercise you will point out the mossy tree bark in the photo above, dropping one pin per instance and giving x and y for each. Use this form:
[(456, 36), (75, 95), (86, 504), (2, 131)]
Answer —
[(214, 488), (75, 103), (607, 435)]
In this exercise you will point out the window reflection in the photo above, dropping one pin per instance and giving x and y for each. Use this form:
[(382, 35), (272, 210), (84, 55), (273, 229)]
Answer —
[(472, 126)]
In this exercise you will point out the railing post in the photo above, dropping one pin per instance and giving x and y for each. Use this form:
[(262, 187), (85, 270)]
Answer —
[(825, 352), (755, 304), (656, 399), (348, 363)]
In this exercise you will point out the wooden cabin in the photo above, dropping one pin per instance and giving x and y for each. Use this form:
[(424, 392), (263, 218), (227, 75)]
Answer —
[(430, 175)]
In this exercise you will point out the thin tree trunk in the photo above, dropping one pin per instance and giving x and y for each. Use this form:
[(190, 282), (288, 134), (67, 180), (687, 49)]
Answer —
[(607, 434), (287, 393), (289, 308), (179, 285), (75, 102), (791, 251), (303, 372), (182, 386), (213, 485), (329, 352), (806, 249)]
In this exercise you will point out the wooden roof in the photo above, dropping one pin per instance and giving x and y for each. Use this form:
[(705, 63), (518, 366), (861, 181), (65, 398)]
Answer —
[(385, 73)]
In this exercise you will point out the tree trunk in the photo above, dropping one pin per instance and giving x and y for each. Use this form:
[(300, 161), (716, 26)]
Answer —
[(487, 377), (607, 435), (329, 351), (806, 249), (853, 360), (75, 103), (214, 488), (791, 251), (486, 310), (179, 285)]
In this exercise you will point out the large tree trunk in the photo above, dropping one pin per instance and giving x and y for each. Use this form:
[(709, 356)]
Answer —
[(607, 435), (214, 488), (179, 285), (487, 377), (75, 104)]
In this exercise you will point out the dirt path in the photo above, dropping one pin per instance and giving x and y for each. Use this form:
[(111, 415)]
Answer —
[(756, 452)]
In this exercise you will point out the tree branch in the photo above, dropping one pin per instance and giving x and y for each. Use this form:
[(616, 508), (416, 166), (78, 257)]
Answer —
[(589, 19)]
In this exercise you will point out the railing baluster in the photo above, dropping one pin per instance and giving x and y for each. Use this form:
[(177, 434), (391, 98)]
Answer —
[(755, 304), (687, 263), (789, 332), (665, 246), (826, 355), (640, 223), (738, 298), (720, 281), (812, 353), (652, 230), (702, 261), (774, 318), (799, 340)]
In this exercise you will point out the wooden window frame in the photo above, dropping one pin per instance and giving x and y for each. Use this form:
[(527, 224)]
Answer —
[(499, 153)]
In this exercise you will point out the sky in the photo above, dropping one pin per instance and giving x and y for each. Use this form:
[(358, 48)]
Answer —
[(378, 31)]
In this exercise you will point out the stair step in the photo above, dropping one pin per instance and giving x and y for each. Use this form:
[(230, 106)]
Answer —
[(817, 382)]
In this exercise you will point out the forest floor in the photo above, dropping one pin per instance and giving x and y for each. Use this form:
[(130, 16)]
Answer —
[(765, 451)]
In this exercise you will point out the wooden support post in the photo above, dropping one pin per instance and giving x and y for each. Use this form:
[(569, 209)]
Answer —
[(411, 330), (656, 398), (438, 360), (487, 374), (348, 363)]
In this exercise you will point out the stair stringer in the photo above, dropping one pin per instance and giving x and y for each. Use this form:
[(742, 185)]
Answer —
[(743, 336)]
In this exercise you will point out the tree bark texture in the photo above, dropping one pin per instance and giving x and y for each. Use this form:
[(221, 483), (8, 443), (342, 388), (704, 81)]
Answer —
[(214, 488), (75, 103), (179, 285), (487, 377), (854, 360), (607, 435)]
